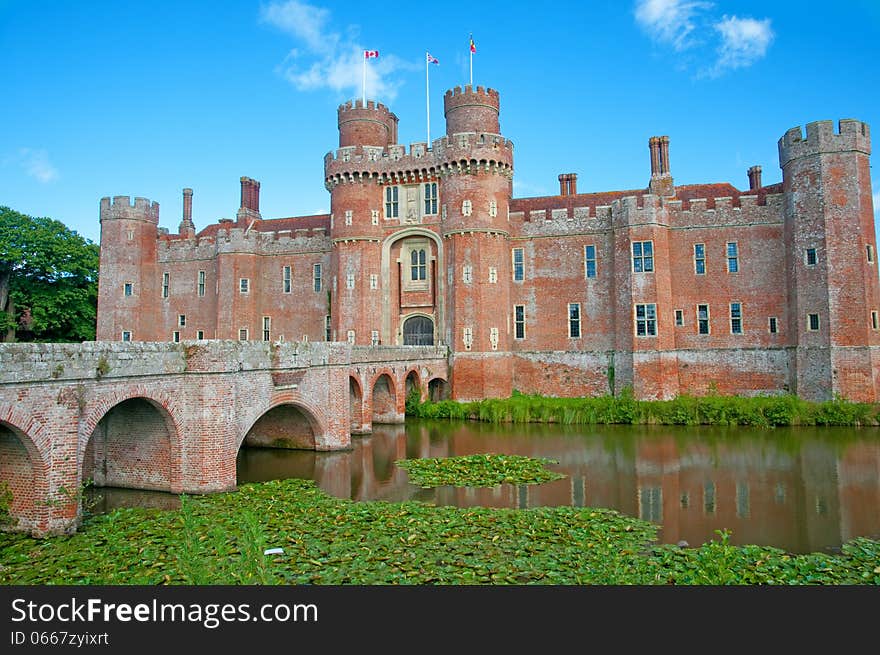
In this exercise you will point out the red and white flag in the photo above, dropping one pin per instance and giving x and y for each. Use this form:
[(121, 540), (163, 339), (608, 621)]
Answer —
[(369, 54), (432, 60)]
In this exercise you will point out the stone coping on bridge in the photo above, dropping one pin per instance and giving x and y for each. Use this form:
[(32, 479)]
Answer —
[(45, 362)]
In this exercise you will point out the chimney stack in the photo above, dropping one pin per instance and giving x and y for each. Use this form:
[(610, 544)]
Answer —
[(250, 199), (187, 227), (754, 178), (661, 183), (567, 184)]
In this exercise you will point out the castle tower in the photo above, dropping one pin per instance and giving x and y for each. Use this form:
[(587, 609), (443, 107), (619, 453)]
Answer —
[(831, 260), (357, 226), (476, 193), (128, 285)]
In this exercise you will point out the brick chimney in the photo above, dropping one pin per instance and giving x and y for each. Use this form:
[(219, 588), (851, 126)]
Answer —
[(568, 184), (661, 176), (754, 178), (187, 227), (250, 199)]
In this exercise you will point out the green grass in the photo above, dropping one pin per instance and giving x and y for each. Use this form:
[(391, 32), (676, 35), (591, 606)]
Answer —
[(220, 539), (757, 411)]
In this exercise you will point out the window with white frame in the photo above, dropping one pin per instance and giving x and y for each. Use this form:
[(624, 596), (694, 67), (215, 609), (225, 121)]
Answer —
[(127, 289), (175, 336), (418, 266), (736, 322), (244, 285), (374, 216), (166, 284), (392, 202), (130, 235), (643, 256), (812, 322), (349, 281), (874, 321), (574, 320), (200, 334), (519, 321), (700, 258), (286, 279), (590, 261), (493, 208), (810, 257), (646, 320), (348, 216), (518, 265), (869, 252), (732, 257), (467, 208), (316, 277), (327, 333), (350, 336), (772, 325), (267, 328), (181, 320), (126, 335), (430, 191), (201, 284), (702, 319), (679, 317), (374, 338), (242, 334)]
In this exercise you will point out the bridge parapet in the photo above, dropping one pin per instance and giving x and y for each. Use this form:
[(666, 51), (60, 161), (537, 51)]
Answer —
[(381, 354)]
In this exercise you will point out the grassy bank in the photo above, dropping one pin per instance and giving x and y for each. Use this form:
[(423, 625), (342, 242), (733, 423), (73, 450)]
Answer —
[(758, 411), (220, 539)]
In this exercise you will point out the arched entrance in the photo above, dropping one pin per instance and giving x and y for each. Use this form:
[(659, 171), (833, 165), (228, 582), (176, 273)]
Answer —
[(418, 331), (413, 387), (283, 426), (438, 390), (355, 406), (384, 401), (130, 447), (17, 480)]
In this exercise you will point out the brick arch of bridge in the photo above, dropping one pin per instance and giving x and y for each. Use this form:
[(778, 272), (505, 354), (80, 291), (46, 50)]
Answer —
[(35, 512), (395, 386), (357, 405), (436, 389), (163, 402), (315, 417), (414, 373)]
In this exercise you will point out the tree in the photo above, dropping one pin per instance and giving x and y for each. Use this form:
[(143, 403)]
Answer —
[(48, 280)]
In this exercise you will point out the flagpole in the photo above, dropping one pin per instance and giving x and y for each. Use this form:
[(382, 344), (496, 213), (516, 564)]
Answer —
[(427, 101), (365, 79), (471, 50)]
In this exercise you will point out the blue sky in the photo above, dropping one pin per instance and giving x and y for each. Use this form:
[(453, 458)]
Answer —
[(145, 98)]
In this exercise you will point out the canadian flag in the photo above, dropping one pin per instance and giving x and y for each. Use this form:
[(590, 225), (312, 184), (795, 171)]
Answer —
[(369, 54)]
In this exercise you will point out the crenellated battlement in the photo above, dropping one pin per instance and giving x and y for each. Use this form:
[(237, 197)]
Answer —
[(371, 105), (122, 207), (821, 137), (370, 124), (471, 110), (467, 93), (448, 155), (242, 240)]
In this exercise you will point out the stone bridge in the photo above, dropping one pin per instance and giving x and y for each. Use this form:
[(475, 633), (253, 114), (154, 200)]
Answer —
[(173, 416)]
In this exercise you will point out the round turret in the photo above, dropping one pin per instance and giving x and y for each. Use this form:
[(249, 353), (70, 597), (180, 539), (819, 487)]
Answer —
[(469, 110), (373, 125)]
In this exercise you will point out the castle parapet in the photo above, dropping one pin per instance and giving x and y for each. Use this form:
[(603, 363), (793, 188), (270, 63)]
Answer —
[(471, 110), (851, 135), (122, 207), (373, 124)]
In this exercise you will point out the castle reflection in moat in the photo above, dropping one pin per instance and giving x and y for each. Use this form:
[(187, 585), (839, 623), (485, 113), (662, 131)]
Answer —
[(799, 489)]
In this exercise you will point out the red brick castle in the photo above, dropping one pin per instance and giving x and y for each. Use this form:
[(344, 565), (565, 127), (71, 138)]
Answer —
[(667, 289)]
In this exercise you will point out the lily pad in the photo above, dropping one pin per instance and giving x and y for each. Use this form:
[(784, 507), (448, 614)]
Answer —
[(485, 470)]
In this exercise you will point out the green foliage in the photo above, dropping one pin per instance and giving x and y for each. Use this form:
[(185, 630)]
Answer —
[(48, 278), (486, 470), (6, 519), (220, 539), (102, 368), (712, 409)]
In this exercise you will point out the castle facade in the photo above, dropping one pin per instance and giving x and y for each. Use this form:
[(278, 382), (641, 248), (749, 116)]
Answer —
[(666, 289)]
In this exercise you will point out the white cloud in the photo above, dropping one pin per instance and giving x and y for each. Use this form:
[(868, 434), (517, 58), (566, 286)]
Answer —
[(327, 60), (689, 25), (35, 162), (670, 21), (743, 41)]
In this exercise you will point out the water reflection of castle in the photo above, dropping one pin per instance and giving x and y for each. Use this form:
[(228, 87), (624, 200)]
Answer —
[(805, 498)]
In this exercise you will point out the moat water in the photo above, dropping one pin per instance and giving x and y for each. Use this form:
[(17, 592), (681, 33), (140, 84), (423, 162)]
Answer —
[(800, 489)]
